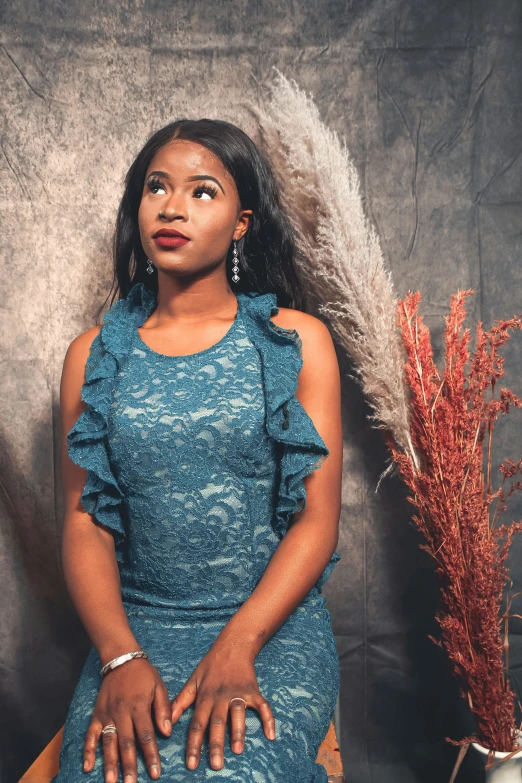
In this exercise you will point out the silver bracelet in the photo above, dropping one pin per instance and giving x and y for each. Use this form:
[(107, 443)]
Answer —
[(122, 659)]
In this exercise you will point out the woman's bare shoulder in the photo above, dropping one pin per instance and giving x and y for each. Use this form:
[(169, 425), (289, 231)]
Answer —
[(317, 347), (78, 350), (313, 332), (73, 372)]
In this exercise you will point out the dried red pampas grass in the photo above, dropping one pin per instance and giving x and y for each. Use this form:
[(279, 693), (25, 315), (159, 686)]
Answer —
[(451, 422)]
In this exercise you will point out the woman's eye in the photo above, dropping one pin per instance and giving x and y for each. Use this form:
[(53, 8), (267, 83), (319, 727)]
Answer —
[(155, 185), (202, 192), (205, 190)]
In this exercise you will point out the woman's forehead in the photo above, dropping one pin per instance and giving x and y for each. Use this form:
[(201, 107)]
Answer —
[(191, 155)]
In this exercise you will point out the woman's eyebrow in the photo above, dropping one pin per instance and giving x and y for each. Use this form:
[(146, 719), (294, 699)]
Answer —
[(189, 179)]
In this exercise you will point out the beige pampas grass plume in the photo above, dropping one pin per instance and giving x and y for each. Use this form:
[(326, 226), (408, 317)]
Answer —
[(339, 251)]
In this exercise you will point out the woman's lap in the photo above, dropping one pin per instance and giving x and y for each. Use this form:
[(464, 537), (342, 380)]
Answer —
[(297, 671)]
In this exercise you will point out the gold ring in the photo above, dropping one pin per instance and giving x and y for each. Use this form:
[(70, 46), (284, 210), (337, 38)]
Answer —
[(110, 728), (237, 698)]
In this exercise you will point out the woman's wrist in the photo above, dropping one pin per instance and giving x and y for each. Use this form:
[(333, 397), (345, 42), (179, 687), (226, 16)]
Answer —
[(121, 659), (114, 648), (247, 640)]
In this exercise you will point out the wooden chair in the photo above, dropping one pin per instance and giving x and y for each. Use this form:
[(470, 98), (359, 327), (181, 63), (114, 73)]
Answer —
[(46, 765)]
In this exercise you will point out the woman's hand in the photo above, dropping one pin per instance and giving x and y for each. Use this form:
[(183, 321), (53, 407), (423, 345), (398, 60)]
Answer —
[(125, 699), (225, 673)]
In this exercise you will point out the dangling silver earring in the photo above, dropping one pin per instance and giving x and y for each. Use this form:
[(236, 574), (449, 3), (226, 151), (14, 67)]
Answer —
[(235, 268), (150, 268)]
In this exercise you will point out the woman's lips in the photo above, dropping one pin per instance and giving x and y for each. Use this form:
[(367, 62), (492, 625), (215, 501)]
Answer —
[(164, 241)]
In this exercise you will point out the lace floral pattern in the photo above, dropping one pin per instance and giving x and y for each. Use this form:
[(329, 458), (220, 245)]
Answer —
[(196, 465)]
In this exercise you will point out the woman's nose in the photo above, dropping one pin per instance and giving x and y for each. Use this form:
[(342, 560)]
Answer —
[(175, 207)]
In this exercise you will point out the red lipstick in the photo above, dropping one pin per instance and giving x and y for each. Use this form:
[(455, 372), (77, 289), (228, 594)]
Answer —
[(169, 237)]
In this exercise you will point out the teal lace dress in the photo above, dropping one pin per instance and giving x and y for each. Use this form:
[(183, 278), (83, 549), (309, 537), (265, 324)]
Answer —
[(196, 465)]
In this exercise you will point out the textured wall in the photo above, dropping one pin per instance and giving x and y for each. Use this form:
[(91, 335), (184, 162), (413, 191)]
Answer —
[(429, 97)]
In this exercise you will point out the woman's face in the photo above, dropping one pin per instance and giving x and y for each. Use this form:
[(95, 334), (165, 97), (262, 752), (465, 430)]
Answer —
[(188, 190)]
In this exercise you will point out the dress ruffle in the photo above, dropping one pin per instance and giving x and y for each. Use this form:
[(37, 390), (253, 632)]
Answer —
[(87, 440), (302, 448)]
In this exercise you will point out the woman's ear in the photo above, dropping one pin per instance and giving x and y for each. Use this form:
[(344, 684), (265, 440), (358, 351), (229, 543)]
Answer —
[(243, 223)]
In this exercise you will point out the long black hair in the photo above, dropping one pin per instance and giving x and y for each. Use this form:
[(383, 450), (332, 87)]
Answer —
[(267, 251)]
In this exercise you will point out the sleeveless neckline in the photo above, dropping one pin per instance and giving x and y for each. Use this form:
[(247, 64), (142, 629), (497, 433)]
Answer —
[(197, 354)]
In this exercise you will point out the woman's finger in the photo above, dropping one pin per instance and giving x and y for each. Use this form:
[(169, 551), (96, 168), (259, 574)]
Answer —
[(267, 716), (110, 755), (147, 739), (196, 731), (218, 725), (92, 737), (184, 699), (162, 709), (127, 745), (237, 725)]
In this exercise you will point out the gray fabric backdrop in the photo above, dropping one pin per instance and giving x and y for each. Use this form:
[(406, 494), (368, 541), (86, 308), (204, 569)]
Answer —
[(428, 96)]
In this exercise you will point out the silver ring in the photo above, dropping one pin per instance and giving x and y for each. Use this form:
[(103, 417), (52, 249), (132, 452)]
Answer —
[(237, 698), (110, 728)]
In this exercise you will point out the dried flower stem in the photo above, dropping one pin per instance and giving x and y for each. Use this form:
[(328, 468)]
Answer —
[(449, 420)]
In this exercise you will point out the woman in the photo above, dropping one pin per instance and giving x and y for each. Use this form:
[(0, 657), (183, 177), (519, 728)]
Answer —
[(191, 419)]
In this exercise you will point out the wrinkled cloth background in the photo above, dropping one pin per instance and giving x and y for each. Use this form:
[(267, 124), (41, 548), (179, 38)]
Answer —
[(429, 98)]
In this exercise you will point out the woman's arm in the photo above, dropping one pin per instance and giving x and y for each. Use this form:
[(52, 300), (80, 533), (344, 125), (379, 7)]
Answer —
[(293, 570), (308, 545), (88, 556), (93, 581)]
